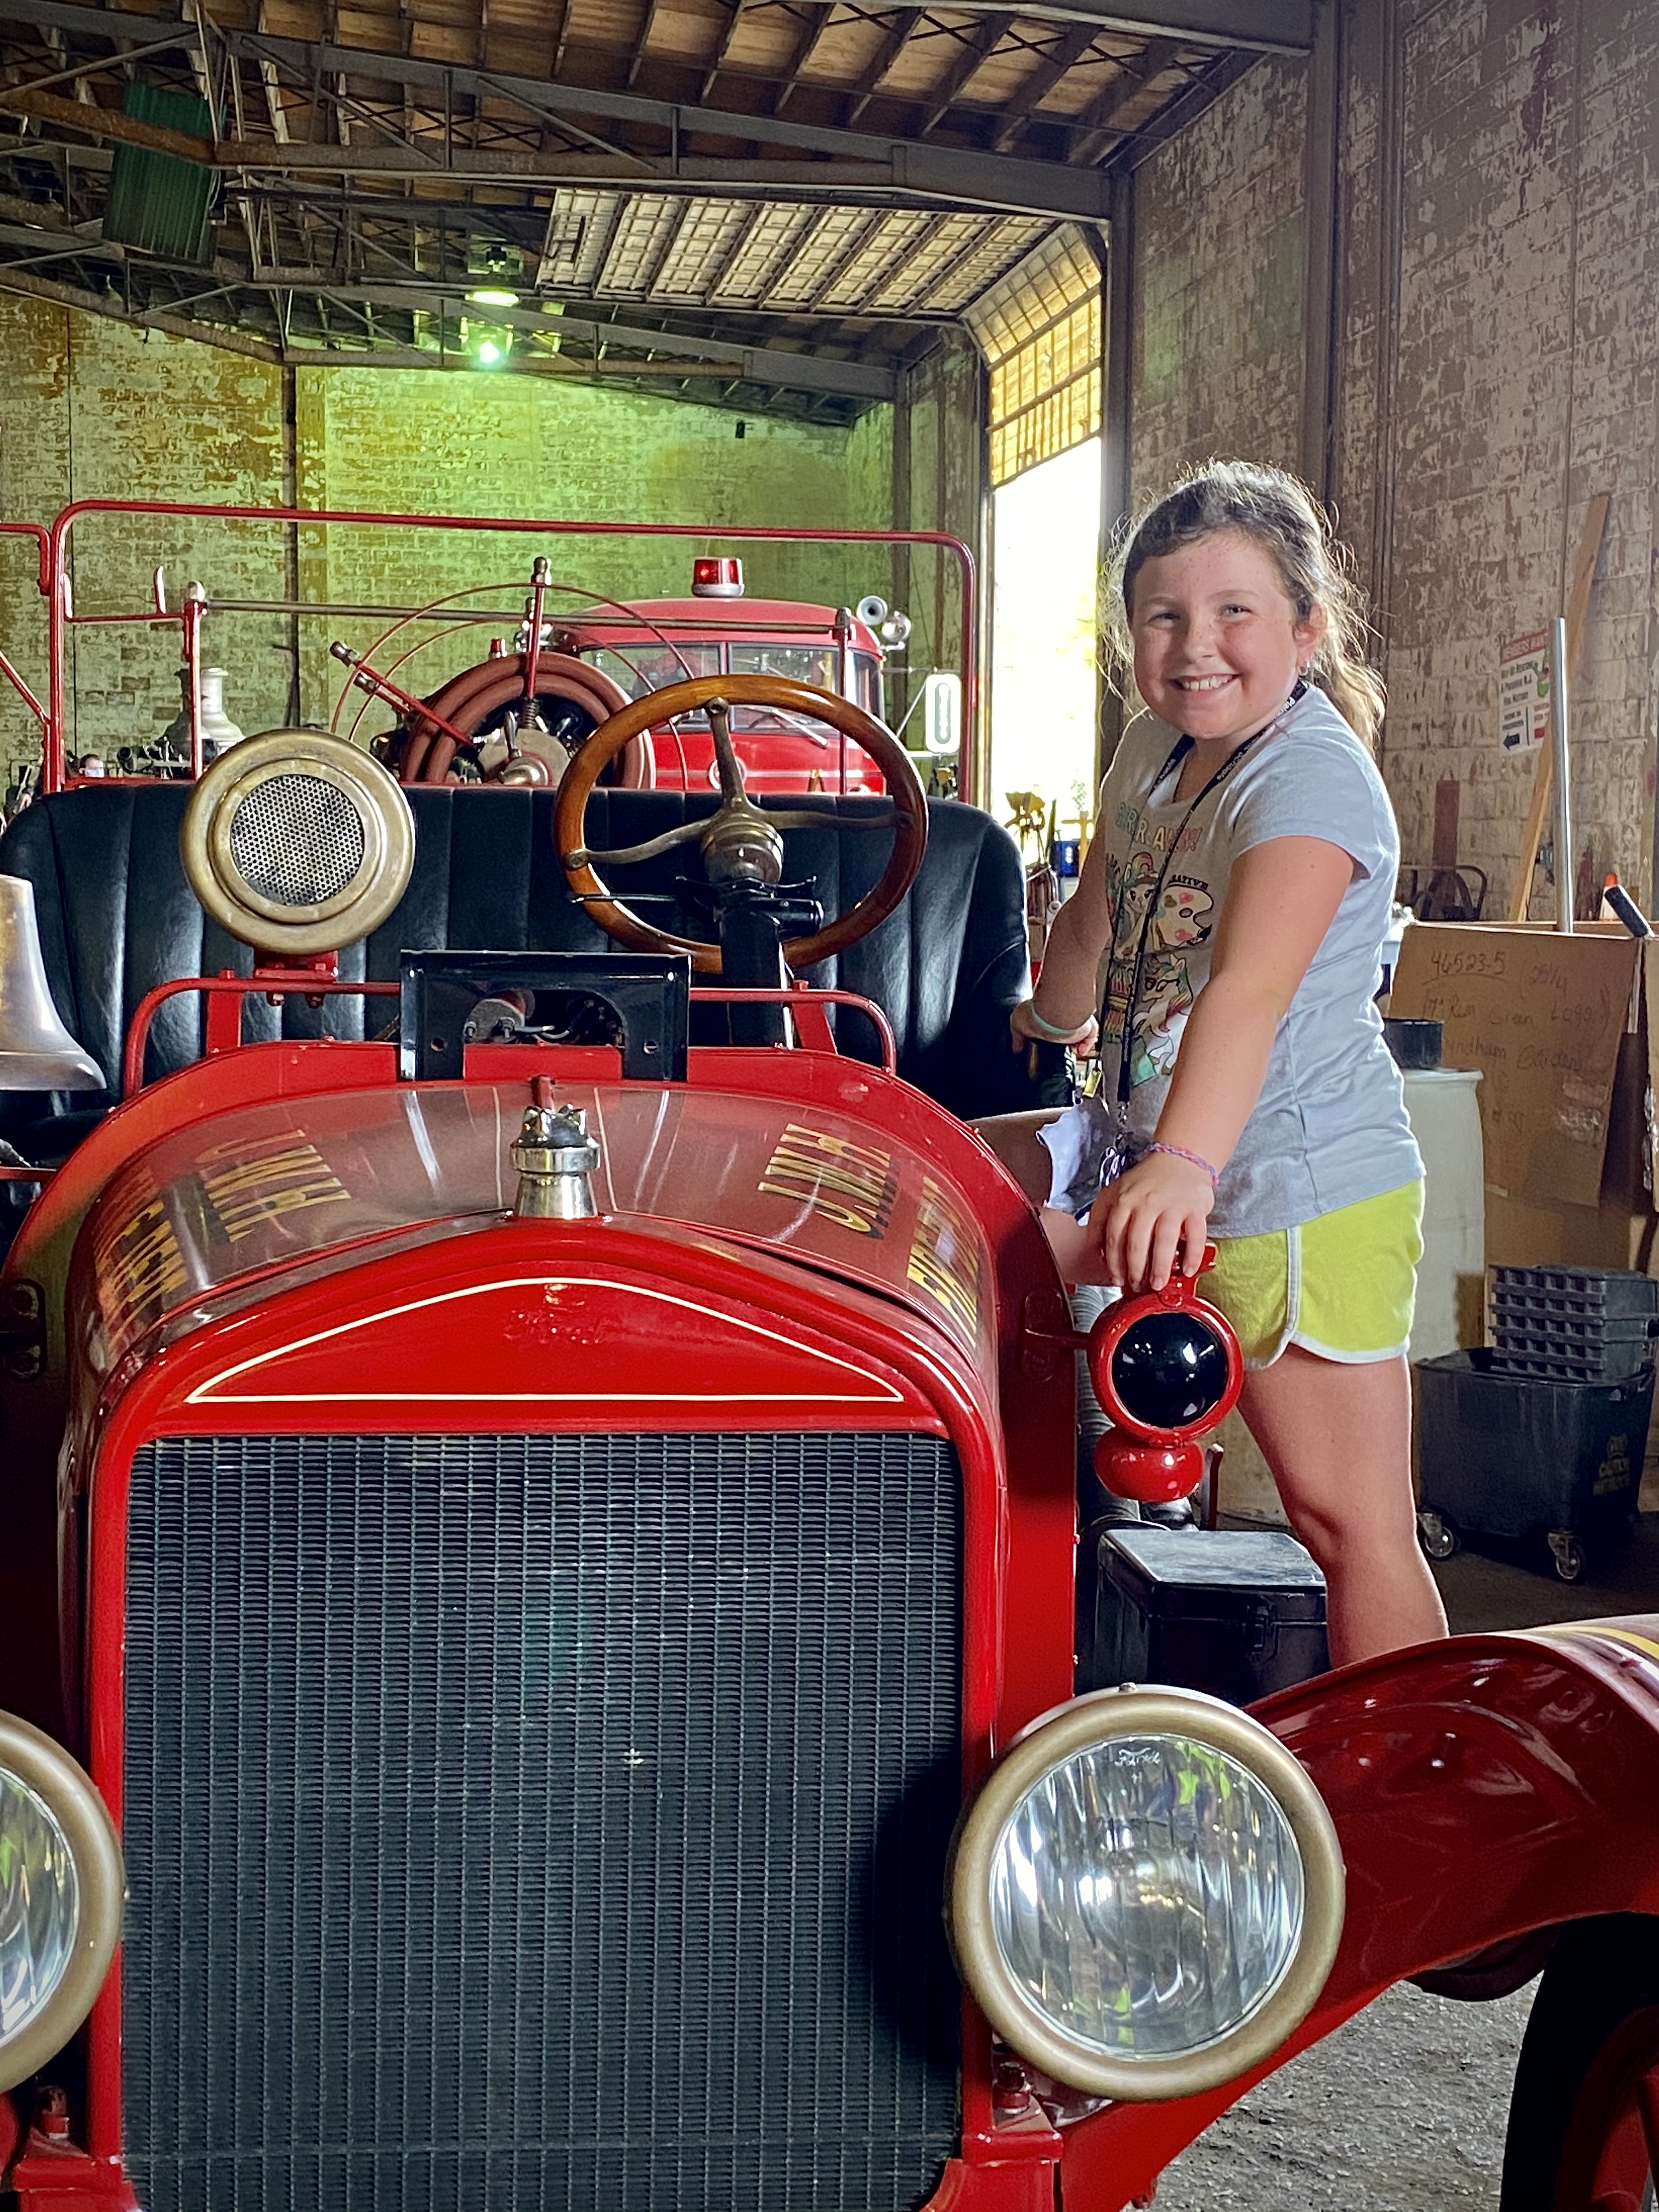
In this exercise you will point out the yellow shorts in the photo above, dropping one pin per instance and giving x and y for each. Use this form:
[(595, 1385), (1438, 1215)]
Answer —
[(1342, 1285)]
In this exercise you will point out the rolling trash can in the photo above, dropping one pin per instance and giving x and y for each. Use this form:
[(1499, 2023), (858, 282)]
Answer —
[(1529, 1458)]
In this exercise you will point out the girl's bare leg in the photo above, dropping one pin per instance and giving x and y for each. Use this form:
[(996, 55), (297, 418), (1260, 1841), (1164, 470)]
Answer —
[(1338, 1439)]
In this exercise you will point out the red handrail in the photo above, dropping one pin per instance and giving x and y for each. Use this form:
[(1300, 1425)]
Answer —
[(265, 986), (274, 986), (802, 998)]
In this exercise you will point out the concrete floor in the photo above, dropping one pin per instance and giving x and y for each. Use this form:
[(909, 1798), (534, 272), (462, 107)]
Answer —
[(1403, 2109)]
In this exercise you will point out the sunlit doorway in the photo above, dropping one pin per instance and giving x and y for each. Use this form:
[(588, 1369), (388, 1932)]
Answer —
[(1044, 653)]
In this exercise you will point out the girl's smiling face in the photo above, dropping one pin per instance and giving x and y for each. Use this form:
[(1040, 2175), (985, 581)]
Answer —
[(1218, 644)]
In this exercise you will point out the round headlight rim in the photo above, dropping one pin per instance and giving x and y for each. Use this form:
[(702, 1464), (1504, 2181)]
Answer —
[(1047, 1743), (383, 810), (42, 1765)]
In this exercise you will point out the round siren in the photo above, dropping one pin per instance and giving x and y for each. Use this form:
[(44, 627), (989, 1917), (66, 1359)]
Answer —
[(717, 576), (297, 843)]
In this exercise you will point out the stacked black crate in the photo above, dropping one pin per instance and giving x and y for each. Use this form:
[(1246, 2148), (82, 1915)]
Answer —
[(1573, 1324)]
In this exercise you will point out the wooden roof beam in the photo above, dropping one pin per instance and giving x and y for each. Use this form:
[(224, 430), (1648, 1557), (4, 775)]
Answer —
[(805, 48), (1101, 125), (941, 98), (723, 47), (641, 41), (897, 38), (1064, 55)]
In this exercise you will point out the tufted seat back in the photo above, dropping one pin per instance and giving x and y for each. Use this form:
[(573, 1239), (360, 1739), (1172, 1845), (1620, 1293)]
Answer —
[(117, 917)]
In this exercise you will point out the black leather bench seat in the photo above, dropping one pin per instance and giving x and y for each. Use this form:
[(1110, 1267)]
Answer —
[(117, 917)]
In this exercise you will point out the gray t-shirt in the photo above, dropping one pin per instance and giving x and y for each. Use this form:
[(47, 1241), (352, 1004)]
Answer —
[(1329, 1127)]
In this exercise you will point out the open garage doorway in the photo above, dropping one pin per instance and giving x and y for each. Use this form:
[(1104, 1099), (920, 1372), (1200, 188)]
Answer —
[(1044, 645), (1041, 331)]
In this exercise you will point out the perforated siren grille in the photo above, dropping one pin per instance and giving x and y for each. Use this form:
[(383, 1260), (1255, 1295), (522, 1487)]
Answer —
[(297, 840)]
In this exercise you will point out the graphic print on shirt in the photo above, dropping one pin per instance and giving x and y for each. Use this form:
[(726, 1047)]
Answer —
[(1184, 919)]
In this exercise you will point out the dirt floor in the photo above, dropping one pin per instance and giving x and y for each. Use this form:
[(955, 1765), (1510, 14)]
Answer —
[(1403, 2109)]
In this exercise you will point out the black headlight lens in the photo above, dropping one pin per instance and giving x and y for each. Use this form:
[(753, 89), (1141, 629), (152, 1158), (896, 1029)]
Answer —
[(1169, 1369)]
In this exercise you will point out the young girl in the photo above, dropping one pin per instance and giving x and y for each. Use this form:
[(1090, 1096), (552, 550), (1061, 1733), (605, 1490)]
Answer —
[(1227, 926)]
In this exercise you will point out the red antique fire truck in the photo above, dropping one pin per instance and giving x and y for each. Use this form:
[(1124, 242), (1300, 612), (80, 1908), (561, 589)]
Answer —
[(517, 720), (541, 1553)]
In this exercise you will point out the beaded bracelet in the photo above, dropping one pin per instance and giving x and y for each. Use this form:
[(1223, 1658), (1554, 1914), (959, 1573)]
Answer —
[(1197, 1159), (1058, 1036)]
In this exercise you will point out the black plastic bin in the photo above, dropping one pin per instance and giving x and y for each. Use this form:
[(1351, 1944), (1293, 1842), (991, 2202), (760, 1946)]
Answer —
[(1521, 1457), (1235, 1612)]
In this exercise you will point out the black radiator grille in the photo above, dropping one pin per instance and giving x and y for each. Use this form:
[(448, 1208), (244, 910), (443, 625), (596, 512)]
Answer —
[(552, 1821)]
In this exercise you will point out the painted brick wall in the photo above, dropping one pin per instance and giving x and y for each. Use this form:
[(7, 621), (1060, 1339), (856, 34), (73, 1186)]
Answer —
[(1498, 317), (91, 409), (470, 443), (1528, 295), (1219, 274)]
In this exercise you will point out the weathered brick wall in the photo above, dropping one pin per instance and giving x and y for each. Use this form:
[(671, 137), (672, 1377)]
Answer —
[(92, 409), (1220, 249), (1499, 320), (1527, 296), (469, 443), (939, 467), (35, 483)]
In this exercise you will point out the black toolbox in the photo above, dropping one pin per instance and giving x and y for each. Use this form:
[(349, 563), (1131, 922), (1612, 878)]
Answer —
[(1521, 1457), (1235, 1612)]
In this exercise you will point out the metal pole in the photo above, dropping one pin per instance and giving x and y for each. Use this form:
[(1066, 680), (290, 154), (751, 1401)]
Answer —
[(1562, 785)]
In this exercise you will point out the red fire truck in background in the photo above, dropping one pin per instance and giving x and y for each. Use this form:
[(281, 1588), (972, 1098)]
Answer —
[(719, 632), (503, 721)]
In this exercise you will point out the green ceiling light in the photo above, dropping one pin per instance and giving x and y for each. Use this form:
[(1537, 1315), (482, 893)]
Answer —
[(488, 344), (492, 296)]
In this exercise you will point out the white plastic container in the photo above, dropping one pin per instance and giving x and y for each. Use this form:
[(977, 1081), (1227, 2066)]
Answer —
[(1445, 1109)]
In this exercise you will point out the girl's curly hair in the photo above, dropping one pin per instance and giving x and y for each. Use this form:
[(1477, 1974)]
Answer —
[(1282, 515)]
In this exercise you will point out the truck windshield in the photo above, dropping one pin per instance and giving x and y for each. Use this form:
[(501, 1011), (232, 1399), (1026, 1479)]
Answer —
[(817, 664), (651, 666)]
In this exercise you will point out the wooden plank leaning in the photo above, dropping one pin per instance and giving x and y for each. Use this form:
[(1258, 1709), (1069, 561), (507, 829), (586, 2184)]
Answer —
[(1543, 777)]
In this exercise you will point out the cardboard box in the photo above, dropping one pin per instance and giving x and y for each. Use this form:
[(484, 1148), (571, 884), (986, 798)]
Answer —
[(1564, 1030)]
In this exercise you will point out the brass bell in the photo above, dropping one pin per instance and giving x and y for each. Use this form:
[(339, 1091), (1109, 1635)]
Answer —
[(37, 1052)]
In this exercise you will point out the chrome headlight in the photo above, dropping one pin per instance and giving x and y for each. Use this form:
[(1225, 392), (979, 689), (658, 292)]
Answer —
[(1145, 1893), (61, 1887)]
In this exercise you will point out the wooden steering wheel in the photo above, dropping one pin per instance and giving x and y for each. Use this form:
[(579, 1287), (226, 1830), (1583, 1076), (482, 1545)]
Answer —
[(737, 819)]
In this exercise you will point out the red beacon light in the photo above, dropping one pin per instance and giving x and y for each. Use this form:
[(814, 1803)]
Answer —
[(717, 578), (1167, 1368)]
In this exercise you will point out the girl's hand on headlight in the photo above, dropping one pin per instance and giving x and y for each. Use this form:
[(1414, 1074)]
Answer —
[(1155, 1212)]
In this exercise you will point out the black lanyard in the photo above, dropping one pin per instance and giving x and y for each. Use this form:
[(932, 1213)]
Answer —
[(1182, 746)]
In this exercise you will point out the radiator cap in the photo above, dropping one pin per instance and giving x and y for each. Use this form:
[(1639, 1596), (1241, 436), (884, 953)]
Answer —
[(555, 1158)]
